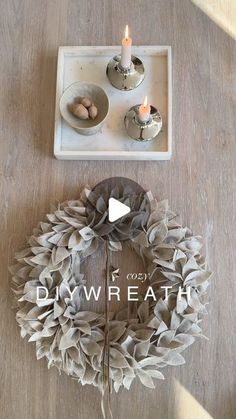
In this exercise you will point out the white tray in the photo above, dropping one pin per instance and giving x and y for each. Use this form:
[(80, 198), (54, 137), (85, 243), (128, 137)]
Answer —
[(112, 143)]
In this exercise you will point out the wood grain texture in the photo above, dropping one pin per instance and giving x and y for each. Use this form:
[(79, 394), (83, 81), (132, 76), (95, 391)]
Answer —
[(199, 181)]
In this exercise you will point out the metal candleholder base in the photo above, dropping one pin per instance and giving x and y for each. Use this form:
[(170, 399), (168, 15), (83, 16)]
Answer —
[(143, 131), (125, 78)]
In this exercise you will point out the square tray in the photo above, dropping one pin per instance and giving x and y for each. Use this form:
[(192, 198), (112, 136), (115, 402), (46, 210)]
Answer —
[(113, 143)]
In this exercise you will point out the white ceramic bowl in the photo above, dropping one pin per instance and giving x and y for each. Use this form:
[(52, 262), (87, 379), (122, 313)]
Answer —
[(96, 94)]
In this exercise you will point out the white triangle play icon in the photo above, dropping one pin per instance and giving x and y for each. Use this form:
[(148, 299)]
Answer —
[(116, 209)]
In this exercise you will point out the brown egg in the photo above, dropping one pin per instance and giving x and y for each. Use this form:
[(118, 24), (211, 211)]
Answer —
[(85, 101), (93, 111), (80, 111)]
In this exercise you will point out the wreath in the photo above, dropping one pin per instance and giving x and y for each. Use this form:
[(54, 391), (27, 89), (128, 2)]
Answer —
[(110, 349)]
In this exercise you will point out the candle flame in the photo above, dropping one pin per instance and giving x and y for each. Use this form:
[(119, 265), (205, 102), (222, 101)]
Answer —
[(145, 102), (126, 32)]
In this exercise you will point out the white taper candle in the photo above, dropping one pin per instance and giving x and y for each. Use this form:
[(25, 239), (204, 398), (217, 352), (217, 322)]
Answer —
[(126, 49)]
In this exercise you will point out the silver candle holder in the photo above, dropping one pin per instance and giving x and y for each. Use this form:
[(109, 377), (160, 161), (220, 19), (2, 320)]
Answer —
[(143, 131), (125, 78)]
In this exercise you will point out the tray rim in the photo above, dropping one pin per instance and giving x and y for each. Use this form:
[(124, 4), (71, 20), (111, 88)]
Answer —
[(110, 155)]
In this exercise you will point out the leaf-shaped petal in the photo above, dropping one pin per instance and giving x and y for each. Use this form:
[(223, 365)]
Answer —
[(145, 378), (117, 359), (90, 347), (69, 339)]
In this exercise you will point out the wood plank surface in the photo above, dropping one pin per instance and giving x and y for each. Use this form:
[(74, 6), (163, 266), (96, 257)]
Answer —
[(199, 181)]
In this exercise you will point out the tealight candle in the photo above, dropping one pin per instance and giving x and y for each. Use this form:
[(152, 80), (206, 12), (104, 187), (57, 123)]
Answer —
[(126, 49), (144, 112)]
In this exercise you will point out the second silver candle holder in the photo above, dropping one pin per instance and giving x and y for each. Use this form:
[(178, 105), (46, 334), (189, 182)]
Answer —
[(125, 78), (143, 131)]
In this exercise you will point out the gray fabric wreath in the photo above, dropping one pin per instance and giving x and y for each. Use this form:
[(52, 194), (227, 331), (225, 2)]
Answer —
[(89, 346)]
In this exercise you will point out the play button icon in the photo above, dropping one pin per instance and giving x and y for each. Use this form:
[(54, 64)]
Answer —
[(117, 210)]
